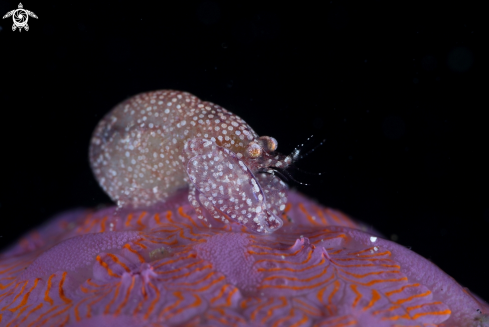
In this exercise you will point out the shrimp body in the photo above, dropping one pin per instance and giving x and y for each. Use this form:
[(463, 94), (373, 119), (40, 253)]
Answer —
[(154, 144)]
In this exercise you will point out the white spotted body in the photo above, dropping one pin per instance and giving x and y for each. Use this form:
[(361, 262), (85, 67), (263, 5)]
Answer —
[(156, 143)]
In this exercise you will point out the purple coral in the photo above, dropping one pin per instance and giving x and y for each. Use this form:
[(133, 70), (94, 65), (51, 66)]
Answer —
[(164, 267)]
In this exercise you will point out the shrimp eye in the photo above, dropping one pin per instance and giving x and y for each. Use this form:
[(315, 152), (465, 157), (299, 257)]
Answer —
[(254, 150), (268, 143)]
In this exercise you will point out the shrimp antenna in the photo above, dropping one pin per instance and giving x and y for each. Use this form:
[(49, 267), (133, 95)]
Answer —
[(312, 150), (280, 174), (285, 173), (273, 171), (296, 152), (304, 171)]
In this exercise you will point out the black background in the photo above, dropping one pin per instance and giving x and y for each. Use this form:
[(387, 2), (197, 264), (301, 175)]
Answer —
[(394, 87)]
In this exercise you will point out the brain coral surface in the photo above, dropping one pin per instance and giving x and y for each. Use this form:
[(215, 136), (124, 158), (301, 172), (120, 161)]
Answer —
[(165, 267)]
